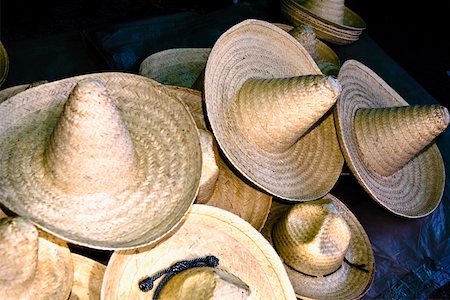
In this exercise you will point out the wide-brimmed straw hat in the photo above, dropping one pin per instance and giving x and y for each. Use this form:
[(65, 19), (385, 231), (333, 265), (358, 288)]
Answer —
[(32, 263), (108, 160), (272, 122), (4, 63), (208, 231), (179, 66), (331, 19), (388, 144), (324, 248), (87, 278)]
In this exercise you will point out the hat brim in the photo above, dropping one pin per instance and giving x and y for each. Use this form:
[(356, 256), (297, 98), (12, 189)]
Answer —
[(257, 49), (347, 282), (4, 63), (168, 159), (416, 189), (87, 279), (241, 250)]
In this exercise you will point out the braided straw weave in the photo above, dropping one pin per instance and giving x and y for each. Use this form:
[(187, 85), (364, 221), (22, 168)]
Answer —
[(330, 19), (87, 278), (4, 63), (34, 265), (389, 145), (179, 66), (241, 250), (14, 90), (269, 119), (312, 239), (109, 160)]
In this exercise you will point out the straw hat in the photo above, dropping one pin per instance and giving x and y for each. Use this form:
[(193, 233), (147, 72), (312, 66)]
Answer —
[(179, 66), (325, 58), (4, 63), (87, 279), (331, 20), (208, 231), (34, 265), (324, 248), (14, 90), (269, 119), (388, 144), (108, 160)]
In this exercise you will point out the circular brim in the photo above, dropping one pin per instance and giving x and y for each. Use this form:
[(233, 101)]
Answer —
[(257, 49), (4, 63), (168, 159), (345, 283), (179, 66), (416, 189), (241, 250), (87, 279)]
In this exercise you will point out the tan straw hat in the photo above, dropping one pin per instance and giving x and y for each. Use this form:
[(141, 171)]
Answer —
[(34, 265), (4, 63), (324, 248), (388, 144), (108, 160), (330, 19), (87, 279), (179, 66), (14, 90), (209, 233), (272, 122)]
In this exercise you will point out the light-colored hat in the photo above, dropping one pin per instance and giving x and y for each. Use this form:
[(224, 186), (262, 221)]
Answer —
[(331, 20), (14, 90), (228, 191), (108, 160), (179, 66), (208, 231), (388, 144), (325, 58), (87, 278), (324, 248), (272, 122), (34, 265), (4, 63)]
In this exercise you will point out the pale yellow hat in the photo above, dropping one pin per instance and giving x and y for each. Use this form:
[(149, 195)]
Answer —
[(388, 144), (269, 108), (108, 160)]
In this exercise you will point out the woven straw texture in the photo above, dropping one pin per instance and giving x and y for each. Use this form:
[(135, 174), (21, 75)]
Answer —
[(210, 170), (34, 265), (314, 238), (87, 278), (179, 66), (140, 141), (14, 90), (416, 186), (264, 120), (4, 63), (241, 250), (345, 32)]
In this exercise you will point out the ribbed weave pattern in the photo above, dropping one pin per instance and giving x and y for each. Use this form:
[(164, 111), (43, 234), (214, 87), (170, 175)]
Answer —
[(332, 10)]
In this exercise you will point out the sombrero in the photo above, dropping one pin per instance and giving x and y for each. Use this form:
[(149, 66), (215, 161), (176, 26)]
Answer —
[(388, 144), (4, 63), (108, 160), (206, 233), (179, 66), (331, 20), (325, 58), (87, 278), (229, 191), (32, 263), (14, 90), (271, 121), (324, 248)]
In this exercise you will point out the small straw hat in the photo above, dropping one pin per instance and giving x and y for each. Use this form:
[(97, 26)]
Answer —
[(330, 19), (4, 63), (388, 144), (207, 231), (108, 160), (273, 123), (229, 191), (324, 248), (87, 278), (179, 66), (34, 265)]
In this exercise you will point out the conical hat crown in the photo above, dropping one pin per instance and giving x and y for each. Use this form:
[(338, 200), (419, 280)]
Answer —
[(288, 106), (90, 150), (312, 238), (306, 36), (390, 137), (331, 10)]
